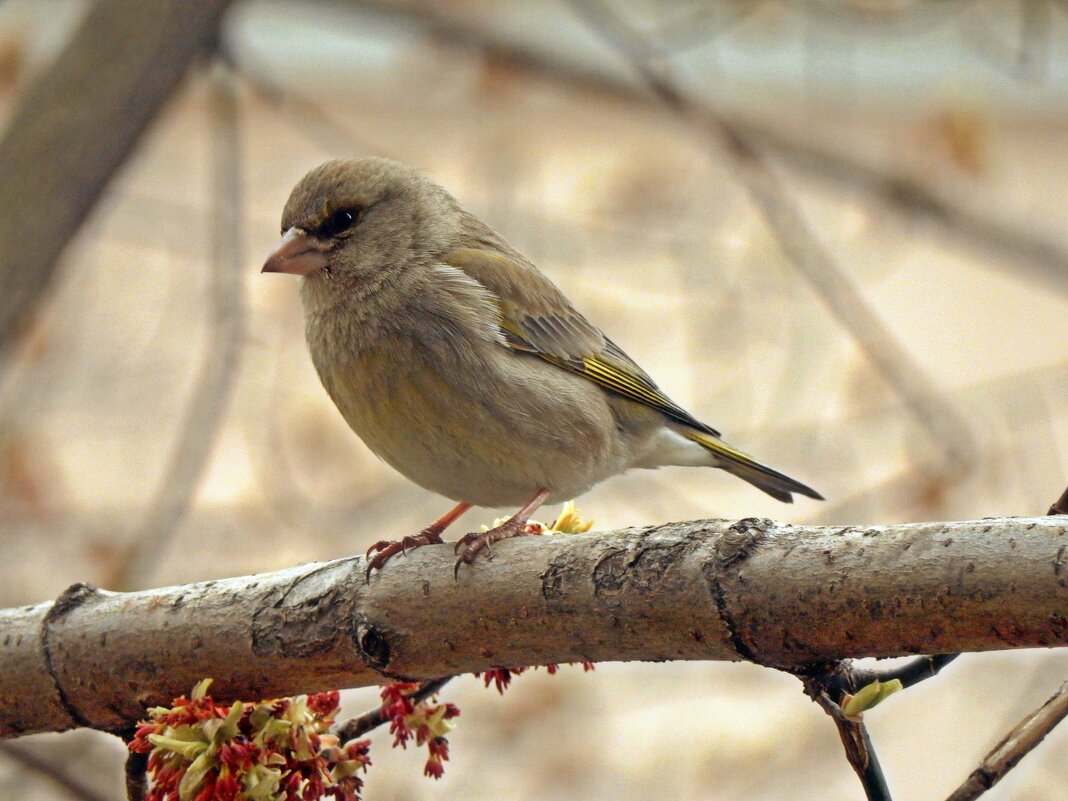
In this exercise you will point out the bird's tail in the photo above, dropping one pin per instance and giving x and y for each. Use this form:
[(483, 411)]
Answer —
[(749, 469)]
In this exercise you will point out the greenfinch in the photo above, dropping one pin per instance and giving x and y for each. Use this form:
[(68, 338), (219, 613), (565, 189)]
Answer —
[(465, 368)]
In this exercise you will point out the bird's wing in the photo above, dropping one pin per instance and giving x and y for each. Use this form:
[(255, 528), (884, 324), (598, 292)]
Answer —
[(537, 318)]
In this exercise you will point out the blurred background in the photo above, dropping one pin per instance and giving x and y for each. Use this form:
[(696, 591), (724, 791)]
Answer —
[(833, 229)]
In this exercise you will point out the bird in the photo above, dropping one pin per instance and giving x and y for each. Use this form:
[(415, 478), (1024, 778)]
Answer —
[(462, 366)]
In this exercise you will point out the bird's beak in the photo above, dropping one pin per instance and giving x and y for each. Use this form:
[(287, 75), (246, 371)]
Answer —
[(296, 253)]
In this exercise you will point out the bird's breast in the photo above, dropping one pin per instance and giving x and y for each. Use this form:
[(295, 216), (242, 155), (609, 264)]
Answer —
[(468, 418)]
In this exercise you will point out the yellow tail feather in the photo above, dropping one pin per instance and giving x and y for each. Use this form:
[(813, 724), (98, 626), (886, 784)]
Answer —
[(747, 468)]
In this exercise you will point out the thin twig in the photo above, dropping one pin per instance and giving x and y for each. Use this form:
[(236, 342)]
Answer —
[(360, 725), (1060, 506), (948, 431), (136, 776), (827, 684), (215, 384), (51, 770), (1017, 744), (858, 748), (1043, 260), (850, 679)]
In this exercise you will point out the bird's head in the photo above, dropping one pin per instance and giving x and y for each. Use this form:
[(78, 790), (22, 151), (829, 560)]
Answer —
[(348, 220)]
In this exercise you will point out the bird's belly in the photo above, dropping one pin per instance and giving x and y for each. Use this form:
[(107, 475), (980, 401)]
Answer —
[(526, 425)]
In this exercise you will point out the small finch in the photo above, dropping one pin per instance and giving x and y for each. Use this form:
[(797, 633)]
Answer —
[(462, 366)]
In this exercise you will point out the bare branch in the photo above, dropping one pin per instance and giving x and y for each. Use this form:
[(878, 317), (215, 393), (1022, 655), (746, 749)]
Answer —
[(221, 350), (859, 750), (52, 770), (1032, 255), (1017, 744), (368, 721), (76, 126), (778, 595), (1060, 506), (136, 775)]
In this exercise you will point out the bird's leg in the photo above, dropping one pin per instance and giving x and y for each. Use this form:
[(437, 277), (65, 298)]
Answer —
[(515, 526), (431, 535)]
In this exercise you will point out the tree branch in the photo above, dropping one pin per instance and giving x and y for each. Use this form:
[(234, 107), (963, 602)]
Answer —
[(858, 749), (219, 370), (1017, 744), (368, 721), (76, 126), (52, 770), (1060, 506), (784, 596), (848, 678)]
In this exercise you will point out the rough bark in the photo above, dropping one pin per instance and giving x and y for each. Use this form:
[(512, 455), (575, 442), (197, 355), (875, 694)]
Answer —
[(77, 124), (787, 596)]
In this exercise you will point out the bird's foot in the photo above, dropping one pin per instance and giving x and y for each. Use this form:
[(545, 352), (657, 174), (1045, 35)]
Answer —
[(384, 550), (471, 544)]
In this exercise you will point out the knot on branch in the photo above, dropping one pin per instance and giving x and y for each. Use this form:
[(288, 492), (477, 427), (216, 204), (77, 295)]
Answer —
[(71, 598), (741, 540), (373, 646), (640, 568), (306, 617)]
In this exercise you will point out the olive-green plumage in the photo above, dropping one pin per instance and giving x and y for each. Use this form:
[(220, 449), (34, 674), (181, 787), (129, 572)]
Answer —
[(459, 363)]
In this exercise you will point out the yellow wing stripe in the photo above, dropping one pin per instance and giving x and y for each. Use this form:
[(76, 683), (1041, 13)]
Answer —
[(623, 383), (607, 375), (720, 447)]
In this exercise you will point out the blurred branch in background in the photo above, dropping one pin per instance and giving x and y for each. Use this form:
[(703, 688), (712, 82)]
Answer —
[(1060, 506), (949, 431), (1031, 731), (1028, 252), (218, 373), (75, 127), (932, 180), (1026, 56), (51, 768)]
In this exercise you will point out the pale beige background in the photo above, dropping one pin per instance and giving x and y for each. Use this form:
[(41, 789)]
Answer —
[(642, 222)]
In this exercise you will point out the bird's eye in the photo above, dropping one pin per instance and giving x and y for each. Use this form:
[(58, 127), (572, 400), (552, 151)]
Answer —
[(340, 220)]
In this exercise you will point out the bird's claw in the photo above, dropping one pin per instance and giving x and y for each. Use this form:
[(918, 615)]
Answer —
[(467, 539), (384, 550), (477, 541)]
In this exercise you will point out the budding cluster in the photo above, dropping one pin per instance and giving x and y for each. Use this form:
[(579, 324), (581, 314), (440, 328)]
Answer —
[(276, 750), (425, 722)]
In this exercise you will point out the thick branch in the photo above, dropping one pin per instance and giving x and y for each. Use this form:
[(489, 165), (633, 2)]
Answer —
[(786, 596), (76, 126)]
